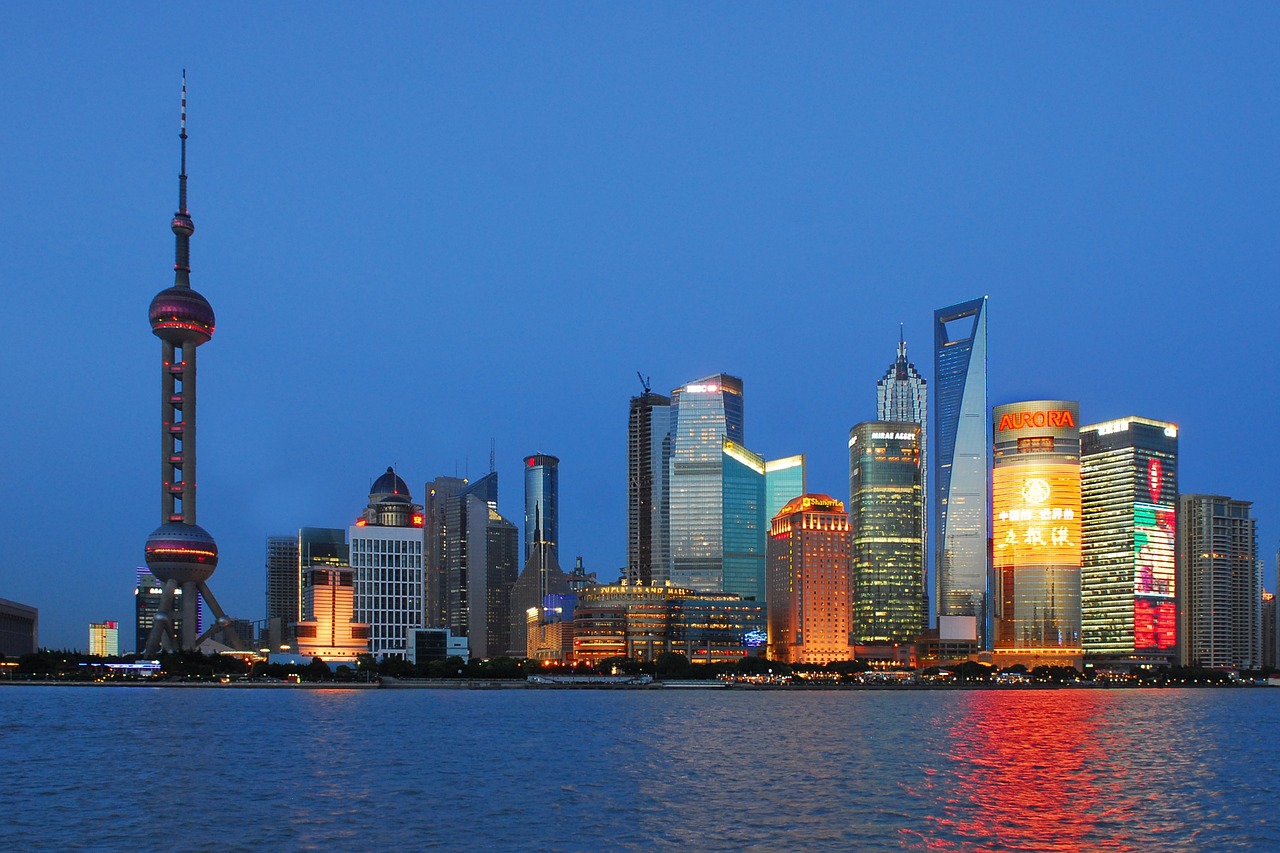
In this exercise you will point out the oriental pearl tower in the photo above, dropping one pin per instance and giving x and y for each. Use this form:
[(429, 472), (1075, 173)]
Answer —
[(180, 553)]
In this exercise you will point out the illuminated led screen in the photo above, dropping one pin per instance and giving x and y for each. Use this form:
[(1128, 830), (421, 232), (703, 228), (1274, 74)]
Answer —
[(1154, 550), (1154, 624), (1155, 562), (1036, 514)]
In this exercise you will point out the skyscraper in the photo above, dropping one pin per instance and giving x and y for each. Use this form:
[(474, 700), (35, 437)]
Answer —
[(541, 499), (541, 578), (104, 639), (1035, 489), (784, 479), (705, 412), (482, 562), (435, 530), (1219, 583), (180, 553), (648, 456), (288, 558), (456, 556), (902, 396), (962, 442), (493, 552), (744, 523), (809, 584), (1129, 500), (886, 514), (283, 590), (386, 556)]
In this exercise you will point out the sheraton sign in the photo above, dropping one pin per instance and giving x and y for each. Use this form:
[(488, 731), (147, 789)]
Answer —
[(1055, 418)]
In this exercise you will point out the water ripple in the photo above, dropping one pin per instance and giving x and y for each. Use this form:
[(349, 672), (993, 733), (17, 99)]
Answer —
[(121, 768)]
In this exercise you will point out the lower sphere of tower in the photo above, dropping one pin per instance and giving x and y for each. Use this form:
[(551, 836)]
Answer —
[(185, 553)]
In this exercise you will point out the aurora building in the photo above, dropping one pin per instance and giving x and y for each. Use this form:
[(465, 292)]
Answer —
[(1036, 552), (887, 515), (1129, 529), (962, 442)]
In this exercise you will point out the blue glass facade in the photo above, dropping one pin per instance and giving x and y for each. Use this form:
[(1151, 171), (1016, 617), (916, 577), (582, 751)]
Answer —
[(784, 479), (745, 522), (704, 413), (541, 502), (961, 561)]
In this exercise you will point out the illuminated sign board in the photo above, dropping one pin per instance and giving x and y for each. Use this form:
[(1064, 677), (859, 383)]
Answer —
[(1052, 418), (702, 389), (1036, 514), (893, 436)]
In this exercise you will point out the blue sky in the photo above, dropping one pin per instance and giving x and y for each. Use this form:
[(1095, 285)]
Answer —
[(423, 226)]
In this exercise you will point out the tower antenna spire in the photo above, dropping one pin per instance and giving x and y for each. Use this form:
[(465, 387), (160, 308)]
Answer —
[(182, 225), (182, 134)]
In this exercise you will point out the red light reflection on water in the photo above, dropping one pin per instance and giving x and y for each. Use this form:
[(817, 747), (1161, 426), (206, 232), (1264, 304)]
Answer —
[(1025, 772)]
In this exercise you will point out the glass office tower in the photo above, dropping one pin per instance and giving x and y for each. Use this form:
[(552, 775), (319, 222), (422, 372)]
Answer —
[(704, 413), (961, 557), (743, 503), (648, 455), (1129, 486), (541, 502), (784, 480), (1035, 491), (903, 395), (886, 514)]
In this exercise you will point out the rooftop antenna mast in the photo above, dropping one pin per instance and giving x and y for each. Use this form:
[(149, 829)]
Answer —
[(492, 448)]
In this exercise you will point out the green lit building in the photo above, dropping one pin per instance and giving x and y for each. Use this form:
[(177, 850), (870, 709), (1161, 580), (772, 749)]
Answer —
[(1129, 531), (886, 511)]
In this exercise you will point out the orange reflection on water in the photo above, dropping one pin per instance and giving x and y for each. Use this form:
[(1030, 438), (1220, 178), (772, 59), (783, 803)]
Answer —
[(1024, 774)]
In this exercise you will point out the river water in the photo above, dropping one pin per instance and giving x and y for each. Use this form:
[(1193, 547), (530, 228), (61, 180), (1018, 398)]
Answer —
[(110, 768)]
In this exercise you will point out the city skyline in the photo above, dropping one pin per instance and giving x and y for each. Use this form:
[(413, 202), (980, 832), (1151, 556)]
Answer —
[(1104, 181)]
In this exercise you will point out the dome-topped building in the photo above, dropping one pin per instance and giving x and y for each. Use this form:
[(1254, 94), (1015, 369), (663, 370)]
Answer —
[(388, 484), (390, 504)]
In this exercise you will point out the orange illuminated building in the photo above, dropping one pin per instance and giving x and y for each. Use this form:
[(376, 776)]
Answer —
[(599, 632), (328, 607), (808, 580), (1036, 552)]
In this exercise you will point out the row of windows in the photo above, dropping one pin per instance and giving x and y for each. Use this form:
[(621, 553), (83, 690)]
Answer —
[(386, 546)]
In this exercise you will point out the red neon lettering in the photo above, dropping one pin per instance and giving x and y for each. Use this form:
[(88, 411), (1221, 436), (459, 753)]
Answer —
[(1021, 420)]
